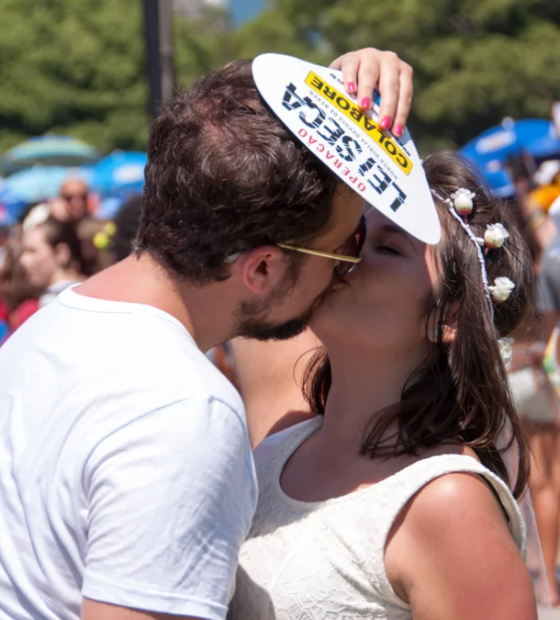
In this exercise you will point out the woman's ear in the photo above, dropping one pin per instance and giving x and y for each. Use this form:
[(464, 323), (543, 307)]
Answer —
[(449, 328), (445, 330)]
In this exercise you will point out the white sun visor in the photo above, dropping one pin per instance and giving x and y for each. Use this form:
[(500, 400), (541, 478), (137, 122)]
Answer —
[(313, 103)]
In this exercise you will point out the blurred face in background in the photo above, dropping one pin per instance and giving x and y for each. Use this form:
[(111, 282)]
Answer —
[(74, 193), (40, 261)]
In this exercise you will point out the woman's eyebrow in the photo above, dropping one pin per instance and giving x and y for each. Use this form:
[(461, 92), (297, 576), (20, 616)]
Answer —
[(390, 228)]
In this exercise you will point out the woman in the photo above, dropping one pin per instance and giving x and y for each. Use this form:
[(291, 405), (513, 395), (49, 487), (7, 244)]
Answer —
[(18, 298), (51, 257), (395, 502)]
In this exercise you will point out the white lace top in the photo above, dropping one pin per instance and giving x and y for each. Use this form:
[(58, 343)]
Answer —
[(325, 560)]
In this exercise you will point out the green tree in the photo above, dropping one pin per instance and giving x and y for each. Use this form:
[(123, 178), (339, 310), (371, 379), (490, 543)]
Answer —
[(72, 67), (78, 67), (475, 61)]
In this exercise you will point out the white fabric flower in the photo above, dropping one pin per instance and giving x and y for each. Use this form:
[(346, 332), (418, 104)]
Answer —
[(502, 289), (506, 350), (495, 235), (463, 201)]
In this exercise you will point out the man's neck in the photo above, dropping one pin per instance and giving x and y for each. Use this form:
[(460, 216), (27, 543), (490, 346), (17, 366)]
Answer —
[(205, 311)]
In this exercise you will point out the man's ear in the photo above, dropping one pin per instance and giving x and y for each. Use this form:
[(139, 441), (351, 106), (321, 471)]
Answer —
[(262, 269)]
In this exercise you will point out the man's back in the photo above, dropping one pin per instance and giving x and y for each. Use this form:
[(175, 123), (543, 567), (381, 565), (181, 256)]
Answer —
[(125, 467)]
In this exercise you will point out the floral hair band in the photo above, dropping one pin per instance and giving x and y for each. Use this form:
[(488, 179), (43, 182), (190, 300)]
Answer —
[(460, 205)]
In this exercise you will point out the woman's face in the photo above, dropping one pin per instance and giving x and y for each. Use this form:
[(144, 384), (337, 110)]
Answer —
[(38, 259), (380, 308)]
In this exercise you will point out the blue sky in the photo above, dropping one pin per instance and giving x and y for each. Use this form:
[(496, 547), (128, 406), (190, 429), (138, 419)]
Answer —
[(242, 10)]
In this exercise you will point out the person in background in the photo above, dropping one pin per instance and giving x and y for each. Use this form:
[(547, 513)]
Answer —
[(125, 227), (51, 257), (72, 204), (4, 311), (547, 177), (534, 397), (18, 298), (537, 203)]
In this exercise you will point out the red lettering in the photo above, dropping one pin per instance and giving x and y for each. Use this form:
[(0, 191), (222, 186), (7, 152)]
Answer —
[(345, 172), (312, 140), (329, 155), (361, 187), (320, 148), (302, 133), (353, 179), (337, 164)]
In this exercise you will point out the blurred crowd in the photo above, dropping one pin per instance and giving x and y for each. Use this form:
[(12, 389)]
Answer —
[(55, 244), (533, 372)]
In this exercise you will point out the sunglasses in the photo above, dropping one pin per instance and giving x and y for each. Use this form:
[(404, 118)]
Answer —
[(349, 254), (69, 197)]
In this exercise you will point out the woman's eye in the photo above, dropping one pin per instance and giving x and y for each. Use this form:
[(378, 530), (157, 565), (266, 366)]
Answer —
[(387, 249)]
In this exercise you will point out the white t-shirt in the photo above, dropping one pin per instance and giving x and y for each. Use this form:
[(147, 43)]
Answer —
[(126, 473)]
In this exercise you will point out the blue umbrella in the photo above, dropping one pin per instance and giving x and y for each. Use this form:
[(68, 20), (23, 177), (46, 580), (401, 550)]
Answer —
[(119, 174), (533, 135), (491, 149), (32, 185), (48, 150)]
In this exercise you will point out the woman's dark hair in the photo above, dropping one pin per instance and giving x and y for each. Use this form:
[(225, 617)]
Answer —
[(224, 176), (57, 232), (460, 393)]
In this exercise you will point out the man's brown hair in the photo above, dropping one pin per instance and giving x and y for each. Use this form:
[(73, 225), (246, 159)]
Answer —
[(223, 176)]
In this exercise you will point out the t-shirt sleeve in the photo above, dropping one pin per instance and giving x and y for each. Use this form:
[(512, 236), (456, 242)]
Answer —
[(171, 496)]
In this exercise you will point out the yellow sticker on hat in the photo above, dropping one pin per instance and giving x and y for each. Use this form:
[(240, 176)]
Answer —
[(366, 124)]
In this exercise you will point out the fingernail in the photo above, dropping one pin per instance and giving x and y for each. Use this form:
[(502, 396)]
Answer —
[(385, 122), (365, 105), (397, 130), (351, 87)]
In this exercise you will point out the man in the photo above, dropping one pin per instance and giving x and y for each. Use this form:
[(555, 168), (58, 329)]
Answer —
[(126, 475), (72, 202)]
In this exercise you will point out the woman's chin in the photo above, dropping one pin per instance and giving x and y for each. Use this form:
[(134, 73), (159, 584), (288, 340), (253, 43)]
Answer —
[(328, 311)]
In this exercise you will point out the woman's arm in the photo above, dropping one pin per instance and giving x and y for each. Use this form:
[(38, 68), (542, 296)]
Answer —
[(451, 555)]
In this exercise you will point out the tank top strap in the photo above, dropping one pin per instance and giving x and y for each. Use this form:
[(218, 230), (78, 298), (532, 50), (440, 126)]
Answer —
[(395, 492), (275, 450)]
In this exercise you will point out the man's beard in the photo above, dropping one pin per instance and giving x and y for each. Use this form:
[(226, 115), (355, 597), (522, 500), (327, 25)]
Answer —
[(252, 319), (260, 329)]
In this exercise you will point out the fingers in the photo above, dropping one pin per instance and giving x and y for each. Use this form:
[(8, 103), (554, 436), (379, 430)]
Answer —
[(348, 65), (366, 69), (405, 100), (389, 89), (368, 77)]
